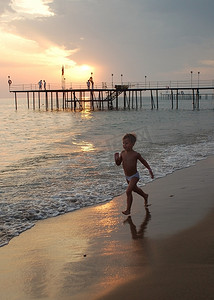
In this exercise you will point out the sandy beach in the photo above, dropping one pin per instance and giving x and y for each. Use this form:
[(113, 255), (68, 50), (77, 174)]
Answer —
[(163, 252)]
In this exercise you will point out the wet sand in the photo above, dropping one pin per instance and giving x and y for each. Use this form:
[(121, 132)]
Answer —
[(182, 268), (164, 252)]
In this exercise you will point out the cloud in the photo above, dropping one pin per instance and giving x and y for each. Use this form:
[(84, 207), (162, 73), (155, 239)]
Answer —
[(35, 8), (4, 5), (209, 63), (134, 38), (35, 48)]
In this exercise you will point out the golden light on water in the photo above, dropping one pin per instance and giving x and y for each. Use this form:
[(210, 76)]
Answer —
[(85, 146), (104, 207), (109, 220), (86, 112)]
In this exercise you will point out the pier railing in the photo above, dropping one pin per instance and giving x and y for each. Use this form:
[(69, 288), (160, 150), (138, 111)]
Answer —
[(111, 85)]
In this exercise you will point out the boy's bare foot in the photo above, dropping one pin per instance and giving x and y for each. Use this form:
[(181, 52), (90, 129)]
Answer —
[(126, 212), (128, 220)]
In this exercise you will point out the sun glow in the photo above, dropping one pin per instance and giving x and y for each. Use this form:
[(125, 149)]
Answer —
[(29, 57), (79, 72), (13, 46), (41, 56)]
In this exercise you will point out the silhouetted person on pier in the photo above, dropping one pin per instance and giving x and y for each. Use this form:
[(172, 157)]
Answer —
[(44, 84), (40, 84), (92, 82), (88, 84)]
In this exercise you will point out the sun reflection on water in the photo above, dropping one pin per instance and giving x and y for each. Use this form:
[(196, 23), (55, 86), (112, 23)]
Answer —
[(86, 113), (109, 220), (85, 146)]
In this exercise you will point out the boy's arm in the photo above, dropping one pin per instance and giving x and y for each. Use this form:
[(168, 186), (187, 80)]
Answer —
[(144, 162), (118, 158)]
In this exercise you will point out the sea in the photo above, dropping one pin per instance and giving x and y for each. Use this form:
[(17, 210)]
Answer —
[(55, 162)]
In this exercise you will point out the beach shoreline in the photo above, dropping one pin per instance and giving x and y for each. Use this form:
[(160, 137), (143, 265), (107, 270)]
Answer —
[(98, 253)]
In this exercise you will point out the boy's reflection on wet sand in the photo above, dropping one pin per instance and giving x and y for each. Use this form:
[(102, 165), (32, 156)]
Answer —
[(138, 234)]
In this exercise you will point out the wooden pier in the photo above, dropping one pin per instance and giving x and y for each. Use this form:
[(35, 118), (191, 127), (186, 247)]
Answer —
[(123, 96)]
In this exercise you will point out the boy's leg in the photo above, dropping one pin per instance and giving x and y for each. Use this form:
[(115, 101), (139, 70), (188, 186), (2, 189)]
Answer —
[(130, 188), (140, 192)]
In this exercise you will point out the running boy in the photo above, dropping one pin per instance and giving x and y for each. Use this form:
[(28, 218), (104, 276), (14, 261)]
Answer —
[(128, 157)]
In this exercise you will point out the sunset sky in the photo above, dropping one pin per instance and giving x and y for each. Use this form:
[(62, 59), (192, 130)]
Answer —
[(160, 39)]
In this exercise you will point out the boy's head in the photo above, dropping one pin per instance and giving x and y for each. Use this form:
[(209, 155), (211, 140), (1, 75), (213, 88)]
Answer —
[(131, 137)]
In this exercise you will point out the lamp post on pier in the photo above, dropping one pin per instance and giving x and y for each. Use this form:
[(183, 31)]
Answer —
[(191, 78), (112, 80), (121, 79), (198, 78), (145, 81), (9, 81)]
